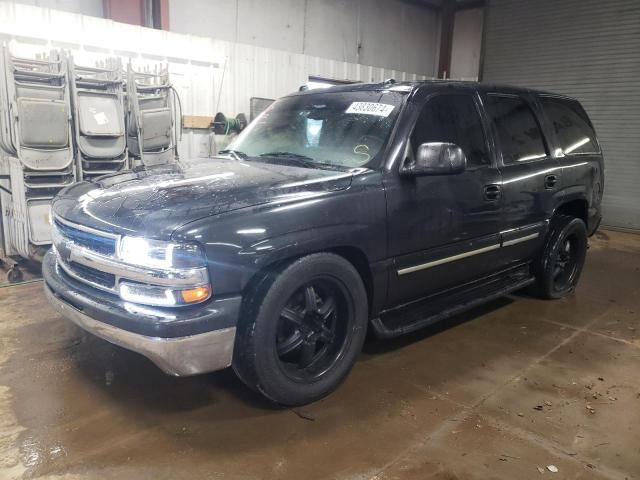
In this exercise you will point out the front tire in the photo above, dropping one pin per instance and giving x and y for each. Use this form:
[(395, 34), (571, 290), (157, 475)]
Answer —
[(559, 267), (302, 330)]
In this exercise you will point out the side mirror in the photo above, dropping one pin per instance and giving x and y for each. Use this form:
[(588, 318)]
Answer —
[(435, 158)]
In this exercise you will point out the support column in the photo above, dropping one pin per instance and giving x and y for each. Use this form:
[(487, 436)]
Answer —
[(448, 13)]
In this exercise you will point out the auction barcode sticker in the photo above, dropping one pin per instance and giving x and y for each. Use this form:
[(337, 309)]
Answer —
[(370, 108)]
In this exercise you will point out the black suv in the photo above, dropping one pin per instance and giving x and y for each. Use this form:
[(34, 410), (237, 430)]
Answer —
[(373, 206)]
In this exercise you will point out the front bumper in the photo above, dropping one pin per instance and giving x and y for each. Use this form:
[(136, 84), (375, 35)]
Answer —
[(180, 341)]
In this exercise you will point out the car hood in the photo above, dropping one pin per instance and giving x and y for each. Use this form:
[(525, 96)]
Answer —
[(155, 201)]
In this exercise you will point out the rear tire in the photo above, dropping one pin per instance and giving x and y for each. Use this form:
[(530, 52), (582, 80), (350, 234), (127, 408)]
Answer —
[(302, 329), (559, 267)]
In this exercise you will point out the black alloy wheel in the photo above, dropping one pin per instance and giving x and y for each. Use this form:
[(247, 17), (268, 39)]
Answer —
[(566, 263), (312, 329), (559, 266), (301, 329)]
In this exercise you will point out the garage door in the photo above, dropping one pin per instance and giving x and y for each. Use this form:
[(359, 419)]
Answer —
[(589, 50)]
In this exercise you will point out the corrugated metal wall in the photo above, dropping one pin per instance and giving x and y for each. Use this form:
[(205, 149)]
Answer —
[(588, 49), (210, 75)]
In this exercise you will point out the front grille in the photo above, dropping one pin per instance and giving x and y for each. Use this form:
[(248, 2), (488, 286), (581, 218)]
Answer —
[(92, 241), (91, 275), (89, 256)]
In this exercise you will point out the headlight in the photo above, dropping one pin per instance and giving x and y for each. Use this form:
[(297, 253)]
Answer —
[(157, 254), (170, 262)]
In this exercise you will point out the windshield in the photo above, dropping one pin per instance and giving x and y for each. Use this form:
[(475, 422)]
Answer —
[(334, 129)]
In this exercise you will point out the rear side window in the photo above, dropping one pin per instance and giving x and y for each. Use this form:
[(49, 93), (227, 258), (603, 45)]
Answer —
[(453, 118), (573, 130), (518, 131)]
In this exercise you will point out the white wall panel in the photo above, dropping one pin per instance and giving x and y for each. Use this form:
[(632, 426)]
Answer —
[(210, 75), (385, 33), (398, 35), (276, 24), (331, 29), (85, 7), (215, 18)]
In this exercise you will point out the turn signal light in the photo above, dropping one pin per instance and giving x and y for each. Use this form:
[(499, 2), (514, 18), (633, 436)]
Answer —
[(197, 294)]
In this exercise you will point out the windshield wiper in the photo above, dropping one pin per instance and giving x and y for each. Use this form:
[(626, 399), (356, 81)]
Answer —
[(298, 159), (288, 155), (237, 154)]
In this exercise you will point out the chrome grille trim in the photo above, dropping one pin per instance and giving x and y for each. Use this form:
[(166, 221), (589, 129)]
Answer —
[(110, 264), (69, 271), (166, 277), (92, 241), (77, 226)]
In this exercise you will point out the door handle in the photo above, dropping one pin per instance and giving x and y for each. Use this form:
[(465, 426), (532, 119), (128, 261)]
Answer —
[(492, 192), (550, 181)]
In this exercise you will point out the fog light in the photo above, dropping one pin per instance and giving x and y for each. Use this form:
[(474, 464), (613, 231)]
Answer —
[(162, 296), (194, 295), (147, 295)]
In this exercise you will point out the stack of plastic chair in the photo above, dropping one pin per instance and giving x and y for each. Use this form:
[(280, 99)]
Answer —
[(36, 138), (97, 99), (151, 118)]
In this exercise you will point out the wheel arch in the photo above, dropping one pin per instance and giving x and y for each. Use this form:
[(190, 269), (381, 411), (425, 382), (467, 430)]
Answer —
[(360, 262), (577, 207), (352, 254)]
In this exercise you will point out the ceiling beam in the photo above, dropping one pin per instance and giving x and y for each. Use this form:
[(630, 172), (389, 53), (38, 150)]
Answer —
[(431, 4), (459, 4), (469, 4)]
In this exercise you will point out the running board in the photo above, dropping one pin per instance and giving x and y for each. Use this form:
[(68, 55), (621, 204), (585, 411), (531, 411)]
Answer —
[(420, 314)]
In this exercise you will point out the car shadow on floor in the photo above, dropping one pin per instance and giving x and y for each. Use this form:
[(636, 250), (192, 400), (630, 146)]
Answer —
[(110, 393), (129, 377)]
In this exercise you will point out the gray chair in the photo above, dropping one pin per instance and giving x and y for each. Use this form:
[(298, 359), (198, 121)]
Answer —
[(97, 96), (152, 128), (36, 111), (35, 135)]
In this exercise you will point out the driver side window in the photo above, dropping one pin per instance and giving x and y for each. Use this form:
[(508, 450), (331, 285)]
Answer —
[(453, 118)]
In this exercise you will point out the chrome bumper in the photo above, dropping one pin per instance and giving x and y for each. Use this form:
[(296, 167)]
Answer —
[(181, 356)]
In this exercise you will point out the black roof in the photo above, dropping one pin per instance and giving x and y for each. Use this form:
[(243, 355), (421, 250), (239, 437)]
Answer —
[(409, 86)]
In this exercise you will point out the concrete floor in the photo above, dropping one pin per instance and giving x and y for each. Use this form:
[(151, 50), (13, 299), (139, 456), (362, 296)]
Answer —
[(501, 392)]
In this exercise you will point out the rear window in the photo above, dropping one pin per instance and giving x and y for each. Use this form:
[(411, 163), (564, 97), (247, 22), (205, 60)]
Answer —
[(573, 130), (518, 131)]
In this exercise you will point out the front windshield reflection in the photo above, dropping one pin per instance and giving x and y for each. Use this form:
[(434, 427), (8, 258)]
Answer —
[(327, 129)]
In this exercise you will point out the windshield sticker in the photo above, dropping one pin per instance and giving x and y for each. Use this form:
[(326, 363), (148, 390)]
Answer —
[(370, 108)]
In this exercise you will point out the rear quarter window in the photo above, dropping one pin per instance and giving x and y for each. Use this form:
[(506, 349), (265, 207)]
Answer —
[(519, 134), (571, 125)]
